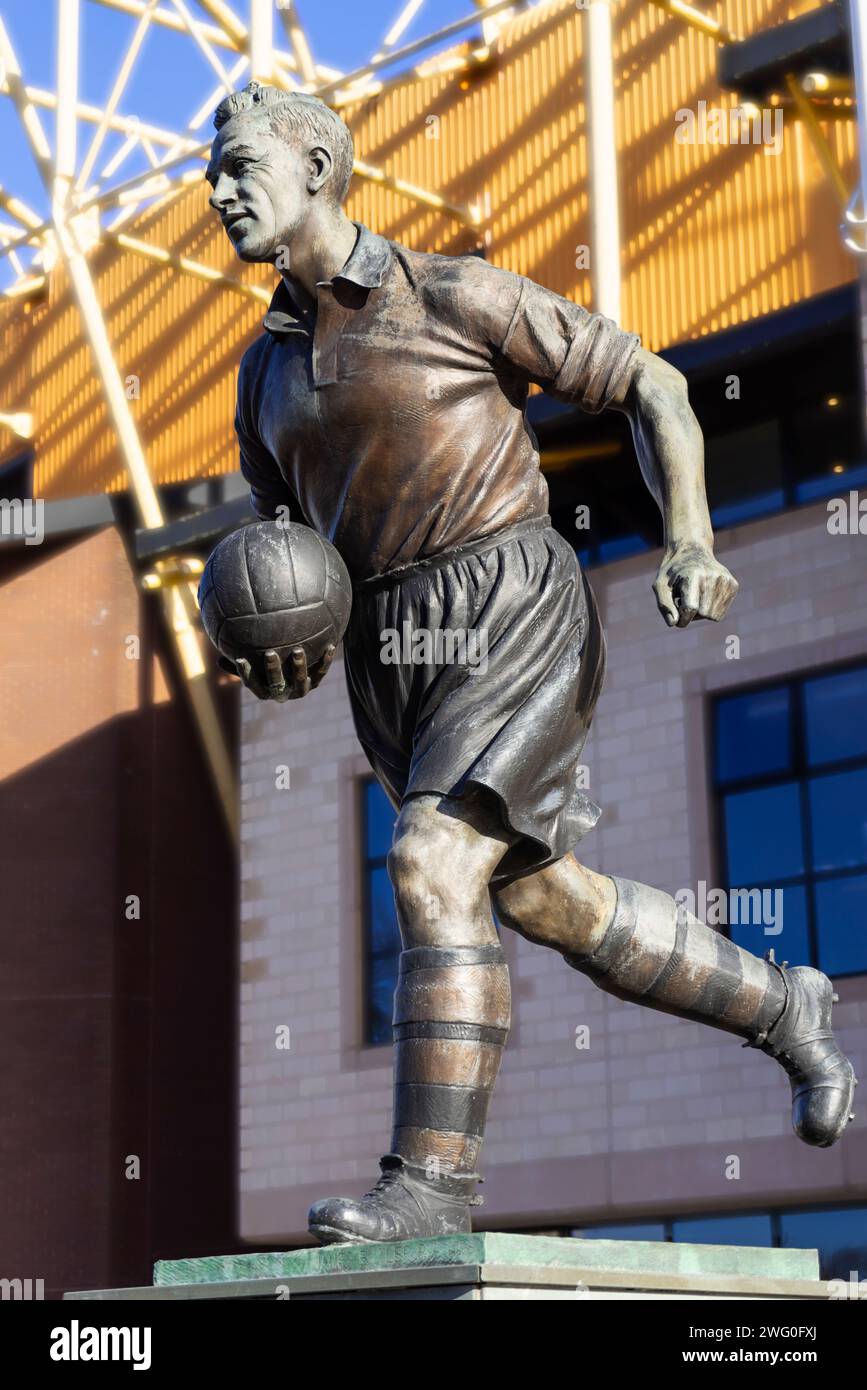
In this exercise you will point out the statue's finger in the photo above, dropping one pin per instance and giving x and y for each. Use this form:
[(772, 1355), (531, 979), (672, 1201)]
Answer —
[(245, 671), (274, 678), (664, 601), (688, 599), (300, 678), (321, 668)]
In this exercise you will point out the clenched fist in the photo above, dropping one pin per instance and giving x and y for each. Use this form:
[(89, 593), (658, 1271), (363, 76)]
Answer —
[(691, 583)]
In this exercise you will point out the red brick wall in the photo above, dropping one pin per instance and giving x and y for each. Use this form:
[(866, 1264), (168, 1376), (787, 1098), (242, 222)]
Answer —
[(117, 1036)]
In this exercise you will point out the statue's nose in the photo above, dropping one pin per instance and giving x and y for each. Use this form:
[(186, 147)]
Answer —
[(221, 195)]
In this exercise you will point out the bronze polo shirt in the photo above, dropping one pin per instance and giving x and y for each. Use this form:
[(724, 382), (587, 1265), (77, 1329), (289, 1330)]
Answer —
[(394, 422)]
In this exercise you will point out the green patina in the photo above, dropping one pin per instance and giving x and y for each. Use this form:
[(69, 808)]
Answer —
[(516, 1251)]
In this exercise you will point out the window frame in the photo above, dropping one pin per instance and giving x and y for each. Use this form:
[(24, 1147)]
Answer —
[(799, 771), (367, 864)]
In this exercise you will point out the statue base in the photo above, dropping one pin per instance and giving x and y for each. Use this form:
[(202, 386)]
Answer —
[(490, 1266)]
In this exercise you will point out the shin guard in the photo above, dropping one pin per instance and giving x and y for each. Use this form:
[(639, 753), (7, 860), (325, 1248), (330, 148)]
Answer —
[(452, 1010), (657, 954)]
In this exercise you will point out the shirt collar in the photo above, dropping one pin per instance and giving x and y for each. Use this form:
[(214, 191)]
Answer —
[(367, 265)]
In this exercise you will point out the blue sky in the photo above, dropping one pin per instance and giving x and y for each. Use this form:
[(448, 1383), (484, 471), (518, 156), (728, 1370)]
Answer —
[(171, 78)]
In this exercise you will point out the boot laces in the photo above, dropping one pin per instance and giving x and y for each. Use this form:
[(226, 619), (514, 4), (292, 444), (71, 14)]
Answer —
[(389, 1178)]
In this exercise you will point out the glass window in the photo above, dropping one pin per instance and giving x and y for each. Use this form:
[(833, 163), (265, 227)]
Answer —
[(764, 841), (824, 445), (839, 1235), (753, 734), (785, 909), (751, 1228), (744, 473), (382, 937), (835, 708), (790, 829), (838, 815), (841, 911), (627, 1230)]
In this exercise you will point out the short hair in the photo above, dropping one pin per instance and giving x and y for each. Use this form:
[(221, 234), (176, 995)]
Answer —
[(293, 115)]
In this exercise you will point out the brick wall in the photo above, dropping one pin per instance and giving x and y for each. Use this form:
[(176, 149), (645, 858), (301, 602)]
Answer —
[(643, 1121), (116, 1034)]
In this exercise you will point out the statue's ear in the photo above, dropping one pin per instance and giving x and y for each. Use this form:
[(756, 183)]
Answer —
[(319, 166)]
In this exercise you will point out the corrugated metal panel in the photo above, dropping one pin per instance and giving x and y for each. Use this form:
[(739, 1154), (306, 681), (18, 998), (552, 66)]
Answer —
[(713, 235)]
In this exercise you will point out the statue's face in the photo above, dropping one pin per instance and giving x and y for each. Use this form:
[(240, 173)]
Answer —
[(259, 184)]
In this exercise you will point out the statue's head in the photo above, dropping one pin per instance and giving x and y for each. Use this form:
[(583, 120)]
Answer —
[(274, 153)]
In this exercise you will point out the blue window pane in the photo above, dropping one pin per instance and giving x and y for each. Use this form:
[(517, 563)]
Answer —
[(835, 708), (379, 818), (731, 513), (620, 547), (838, 811), (787, 907), (830, 484), (841, 917), (384, 932), (751, 1229), (753, 734), (763, 835), (840, 1236), (380, 1001), (638, 1230)]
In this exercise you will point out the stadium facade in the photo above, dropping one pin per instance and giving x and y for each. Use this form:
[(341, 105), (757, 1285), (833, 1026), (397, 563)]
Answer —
[(120, 1029)]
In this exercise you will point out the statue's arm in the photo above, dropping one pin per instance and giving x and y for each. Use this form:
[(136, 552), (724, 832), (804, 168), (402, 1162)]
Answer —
[(270, 494), (585, 359), (668, 441)]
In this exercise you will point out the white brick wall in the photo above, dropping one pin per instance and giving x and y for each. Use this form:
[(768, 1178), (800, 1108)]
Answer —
[(314, 1119)]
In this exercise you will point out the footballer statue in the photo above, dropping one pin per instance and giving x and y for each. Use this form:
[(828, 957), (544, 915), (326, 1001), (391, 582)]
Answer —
[(383, 406)]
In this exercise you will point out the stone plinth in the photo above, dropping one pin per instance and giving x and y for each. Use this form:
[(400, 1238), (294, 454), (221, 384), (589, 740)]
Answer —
[(490, 1266)]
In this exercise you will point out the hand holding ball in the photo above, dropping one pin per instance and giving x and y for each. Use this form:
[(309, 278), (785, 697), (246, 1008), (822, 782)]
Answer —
[(275, 600)]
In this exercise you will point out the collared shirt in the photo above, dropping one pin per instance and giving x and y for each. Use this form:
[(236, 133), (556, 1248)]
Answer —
[(394, 424)]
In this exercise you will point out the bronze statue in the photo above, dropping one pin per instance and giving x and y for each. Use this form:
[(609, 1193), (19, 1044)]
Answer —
[(385, 405)]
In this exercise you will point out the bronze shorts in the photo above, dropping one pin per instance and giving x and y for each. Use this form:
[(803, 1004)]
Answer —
[(504, 707)]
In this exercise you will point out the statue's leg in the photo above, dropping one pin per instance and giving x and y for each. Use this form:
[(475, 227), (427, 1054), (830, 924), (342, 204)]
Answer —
[(639, 945), (451, 1021)]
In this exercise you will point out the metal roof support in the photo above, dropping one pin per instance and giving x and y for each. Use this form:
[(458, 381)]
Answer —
[(202, 44), (696, 20), (262, 40), (188, 267), (179, 604), (397, 55), (807, 113), (856, 210), (603, 193), (222, 35), (226, 18), (127, 125), (298, 41), (115, 95)]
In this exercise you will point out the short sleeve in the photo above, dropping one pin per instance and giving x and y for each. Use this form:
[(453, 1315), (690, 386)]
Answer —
[(575, 356), (268, 488)]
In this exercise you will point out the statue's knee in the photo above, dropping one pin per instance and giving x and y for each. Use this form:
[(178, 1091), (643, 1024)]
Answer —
[(410, 872), (562, 906), (436, 893), (522, 908)]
